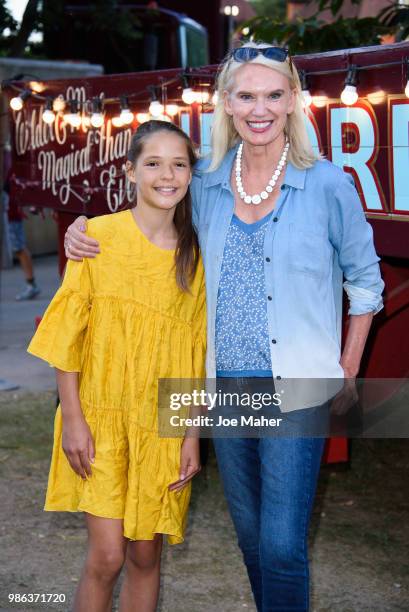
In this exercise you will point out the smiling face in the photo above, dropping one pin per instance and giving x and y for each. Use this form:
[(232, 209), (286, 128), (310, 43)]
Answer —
[(259, 102), (162, 172)]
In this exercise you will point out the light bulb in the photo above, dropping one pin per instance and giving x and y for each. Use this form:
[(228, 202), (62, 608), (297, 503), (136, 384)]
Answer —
[(163, 118), (117, 121), (58, 104), (156, 108), (48, 116), (235, 10), (73, 119), (407, 89), (172, 109), (36, 86), (227, 10), (319, 101), (349, 95), (16, 103), (97, 120), (188, 95), (245, 31), (307, 98), (202, 97), (72, 116), (142, 117), (126, 116), (377, 97)]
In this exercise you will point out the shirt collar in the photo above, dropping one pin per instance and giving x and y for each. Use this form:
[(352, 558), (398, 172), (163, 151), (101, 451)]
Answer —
[(294, 177)]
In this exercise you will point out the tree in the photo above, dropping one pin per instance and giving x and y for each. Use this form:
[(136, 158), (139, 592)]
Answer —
[(270, 8), (313, 34), (8, 27), (29, 23)]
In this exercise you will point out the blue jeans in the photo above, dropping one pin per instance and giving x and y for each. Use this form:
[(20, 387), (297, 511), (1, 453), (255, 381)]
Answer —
[(270, 485)]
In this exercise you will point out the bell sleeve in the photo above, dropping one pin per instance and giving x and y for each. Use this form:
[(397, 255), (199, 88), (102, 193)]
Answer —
[(60, 335)]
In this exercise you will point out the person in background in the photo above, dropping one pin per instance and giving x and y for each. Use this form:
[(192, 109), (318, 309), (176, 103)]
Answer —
[(19, 247)]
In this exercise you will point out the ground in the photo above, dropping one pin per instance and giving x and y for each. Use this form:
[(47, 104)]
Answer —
[(359, 535), (360, 528)]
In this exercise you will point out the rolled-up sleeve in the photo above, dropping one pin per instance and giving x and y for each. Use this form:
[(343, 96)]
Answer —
[(352, 238)]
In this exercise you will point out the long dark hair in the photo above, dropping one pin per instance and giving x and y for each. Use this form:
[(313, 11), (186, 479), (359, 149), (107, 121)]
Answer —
[(187, 247)]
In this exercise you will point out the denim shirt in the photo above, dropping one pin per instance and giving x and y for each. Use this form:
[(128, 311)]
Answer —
[(317, 238)]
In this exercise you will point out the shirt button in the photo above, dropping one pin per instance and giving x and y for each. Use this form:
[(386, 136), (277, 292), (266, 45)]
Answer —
[(274, 341), (275, 219), (278, 377), (282, 187), (268, 259), (269, 297)]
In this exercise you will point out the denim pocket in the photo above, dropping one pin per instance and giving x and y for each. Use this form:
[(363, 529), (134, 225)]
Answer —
[(310, 252)]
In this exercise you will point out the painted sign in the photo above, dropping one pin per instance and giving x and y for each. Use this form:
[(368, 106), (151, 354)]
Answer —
[(80, 169)]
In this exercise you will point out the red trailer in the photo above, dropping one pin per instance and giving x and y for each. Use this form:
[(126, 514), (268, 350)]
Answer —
[(74, 167)]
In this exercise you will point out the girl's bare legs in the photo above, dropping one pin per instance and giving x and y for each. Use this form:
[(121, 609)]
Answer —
[(105, 558), (140, 588)]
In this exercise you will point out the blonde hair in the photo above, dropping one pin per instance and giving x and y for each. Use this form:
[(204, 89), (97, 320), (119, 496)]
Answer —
[(224, 135)]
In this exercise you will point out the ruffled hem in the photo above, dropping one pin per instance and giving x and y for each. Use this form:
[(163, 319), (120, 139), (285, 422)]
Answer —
[(130, 477)]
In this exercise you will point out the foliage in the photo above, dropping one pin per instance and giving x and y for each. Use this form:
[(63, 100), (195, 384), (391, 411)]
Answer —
[(276, 9), (8, 27), (313, 34)]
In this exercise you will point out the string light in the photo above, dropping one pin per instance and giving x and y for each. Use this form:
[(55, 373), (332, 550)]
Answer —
[(156, 108), (36, 86), (17, 102), (171, 110), (48, 113), (117, 121), (72, 117), (349, 94), (202, 97), (319, 101), (58, 104), (126, 115), (377, 97), (143, 117), (163, 117), (97, 118), (188, 95)]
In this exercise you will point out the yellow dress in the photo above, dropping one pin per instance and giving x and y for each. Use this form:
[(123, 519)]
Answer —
[(122, 323)]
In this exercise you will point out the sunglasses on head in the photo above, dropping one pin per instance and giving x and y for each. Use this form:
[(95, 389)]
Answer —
[(246, 54)]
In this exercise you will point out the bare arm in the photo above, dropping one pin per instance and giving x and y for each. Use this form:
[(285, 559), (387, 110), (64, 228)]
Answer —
[(358, 329), (77, 439), (77, 244)]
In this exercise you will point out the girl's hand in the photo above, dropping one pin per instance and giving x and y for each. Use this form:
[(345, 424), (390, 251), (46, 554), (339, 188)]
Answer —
[(78, 445), (189, 463), (77, 245)]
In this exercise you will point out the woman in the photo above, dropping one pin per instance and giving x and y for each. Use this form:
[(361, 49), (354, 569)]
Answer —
[(278, 229)]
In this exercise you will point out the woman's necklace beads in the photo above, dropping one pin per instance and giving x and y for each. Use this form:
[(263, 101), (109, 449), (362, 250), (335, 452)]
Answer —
[(259, 197)]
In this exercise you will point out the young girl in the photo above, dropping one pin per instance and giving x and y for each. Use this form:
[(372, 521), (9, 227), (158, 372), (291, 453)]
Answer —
[(119, 322)]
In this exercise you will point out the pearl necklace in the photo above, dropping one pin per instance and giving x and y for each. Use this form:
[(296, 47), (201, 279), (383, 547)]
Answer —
[(258, 197)]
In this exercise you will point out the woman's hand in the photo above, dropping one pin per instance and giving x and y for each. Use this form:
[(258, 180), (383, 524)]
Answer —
[(77, 244), (189, 463), (348, 396), (78, 445)]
